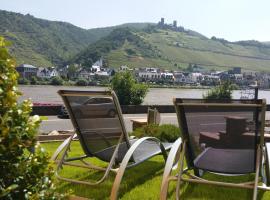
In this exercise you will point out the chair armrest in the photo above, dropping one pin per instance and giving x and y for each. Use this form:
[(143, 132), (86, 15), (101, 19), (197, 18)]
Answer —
[(62, 146), (126, 159), (171, 164)]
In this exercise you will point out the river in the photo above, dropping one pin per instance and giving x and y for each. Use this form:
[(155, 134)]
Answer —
[(155, 96)]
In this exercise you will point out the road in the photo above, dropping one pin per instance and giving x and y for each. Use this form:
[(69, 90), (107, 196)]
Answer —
[(54, 123)]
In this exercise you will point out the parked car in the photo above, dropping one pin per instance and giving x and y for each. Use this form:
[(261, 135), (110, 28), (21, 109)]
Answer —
[(94, 107)]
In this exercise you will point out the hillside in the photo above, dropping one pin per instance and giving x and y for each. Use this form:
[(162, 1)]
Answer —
[(175, 50), (43, 43)]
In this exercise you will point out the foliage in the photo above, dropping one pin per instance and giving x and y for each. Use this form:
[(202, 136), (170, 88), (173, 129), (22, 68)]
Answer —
[(57, 81), (127, 90), (23, 81), (130, 51), (71, 73), (33, 80), (223, 91), (82, 82), (165, 132), (25, 172)]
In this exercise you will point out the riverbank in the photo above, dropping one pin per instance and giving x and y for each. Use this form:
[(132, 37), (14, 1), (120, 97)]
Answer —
[(155, 96)]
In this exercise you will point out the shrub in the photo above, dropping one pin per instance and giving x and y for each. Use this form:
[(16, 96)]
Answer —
[(56, 81), (25, 172), (82, 82), (127, 90), (165, 132), (33, 80), (223, 91), (23, 81)]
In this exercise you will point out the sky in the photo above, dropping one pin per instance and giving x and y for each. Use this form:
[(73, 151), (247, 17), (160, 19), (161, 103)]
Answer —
[(232, 20)]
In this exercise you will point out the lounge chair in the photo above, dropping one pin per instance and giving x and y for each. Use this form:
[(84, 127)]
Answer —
[(221, 137), (100, 128)]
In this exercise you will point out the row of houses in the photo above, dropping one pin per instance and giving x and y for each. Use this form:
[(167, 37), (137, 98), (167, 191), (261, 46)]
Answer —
[(153, 75), (27, 71), (206, 78)]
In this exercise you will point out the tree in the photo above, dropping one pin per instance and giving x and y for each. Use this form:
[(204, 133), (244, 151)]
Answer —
[(189, 68), (56, 81), (82, 82), (25, 172), (223, 91), (127, 90), (71, 71)]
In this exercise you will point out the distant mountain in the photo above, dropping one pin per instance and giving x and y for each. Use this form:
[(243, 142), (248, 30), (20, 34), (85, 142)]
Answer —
[(43, 42)]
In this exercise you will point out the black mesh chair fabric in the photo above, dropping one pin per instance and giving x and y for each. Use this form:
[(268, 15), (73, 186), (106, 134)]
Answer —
[(231, 161), (97, 118), (146, 150), (222, 136)]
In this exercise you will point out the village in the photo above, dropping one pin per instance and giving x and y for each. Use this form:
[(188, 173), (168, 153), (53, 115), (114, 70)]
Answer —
[(194, 75)]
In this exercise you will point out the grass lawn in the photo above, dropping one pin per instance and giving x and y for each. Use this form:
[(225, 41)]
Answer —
[(143, 182)]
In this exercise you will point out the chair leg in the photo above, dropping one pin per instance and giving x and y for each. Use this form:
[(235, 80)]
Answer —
[(168, 167), (258, 160), (124, 163), (267, 163), (62, 162), (182, 157)]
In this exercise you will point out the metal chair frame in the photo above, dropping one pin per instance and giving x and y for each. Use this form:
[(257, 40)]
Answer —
[(118, 168), (179, 152)]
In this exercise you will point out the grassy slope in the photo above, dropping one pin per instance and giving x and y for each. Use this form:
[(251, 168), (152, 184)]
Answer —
[(143, 182), (181, 48), (43, 43)]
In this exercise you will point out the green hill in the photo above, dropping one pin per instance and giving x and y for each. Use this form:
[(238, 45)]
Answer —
[(175, 50), (43, 43)]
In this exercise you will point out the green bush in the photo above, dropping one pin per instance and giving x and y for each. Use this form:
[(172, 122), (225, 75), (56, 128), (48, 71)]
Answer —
[(165, 132), (127, 90), (33, 80), (56, 81), (23, 81), (223, 91), (25, 171), (82, 82)]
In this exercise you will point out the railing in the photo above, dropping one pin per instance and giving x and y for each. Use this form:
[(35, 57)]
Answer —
[(127, 109)]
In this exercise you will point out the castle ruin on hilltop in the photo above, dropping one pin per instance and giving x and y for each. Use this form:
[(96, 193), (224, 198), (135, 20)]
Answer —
[(161, 24)]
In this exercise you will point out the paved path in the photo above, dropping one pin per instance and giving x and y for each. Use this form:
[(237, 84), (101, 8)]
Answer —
[(54, 123)]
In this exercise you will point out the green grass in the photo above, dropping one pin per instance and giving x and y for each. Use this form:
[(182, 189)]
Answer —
[(44, 118), (143, 182)]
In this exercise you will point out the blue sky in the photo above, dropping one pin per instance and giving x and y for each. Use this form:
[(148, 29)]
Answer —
[(229, 19)]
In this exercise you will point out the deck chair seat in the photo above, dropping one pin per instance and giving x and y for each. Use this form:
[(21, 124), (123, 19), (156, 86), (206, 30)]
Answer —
[(219, 160), (145, 151)]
